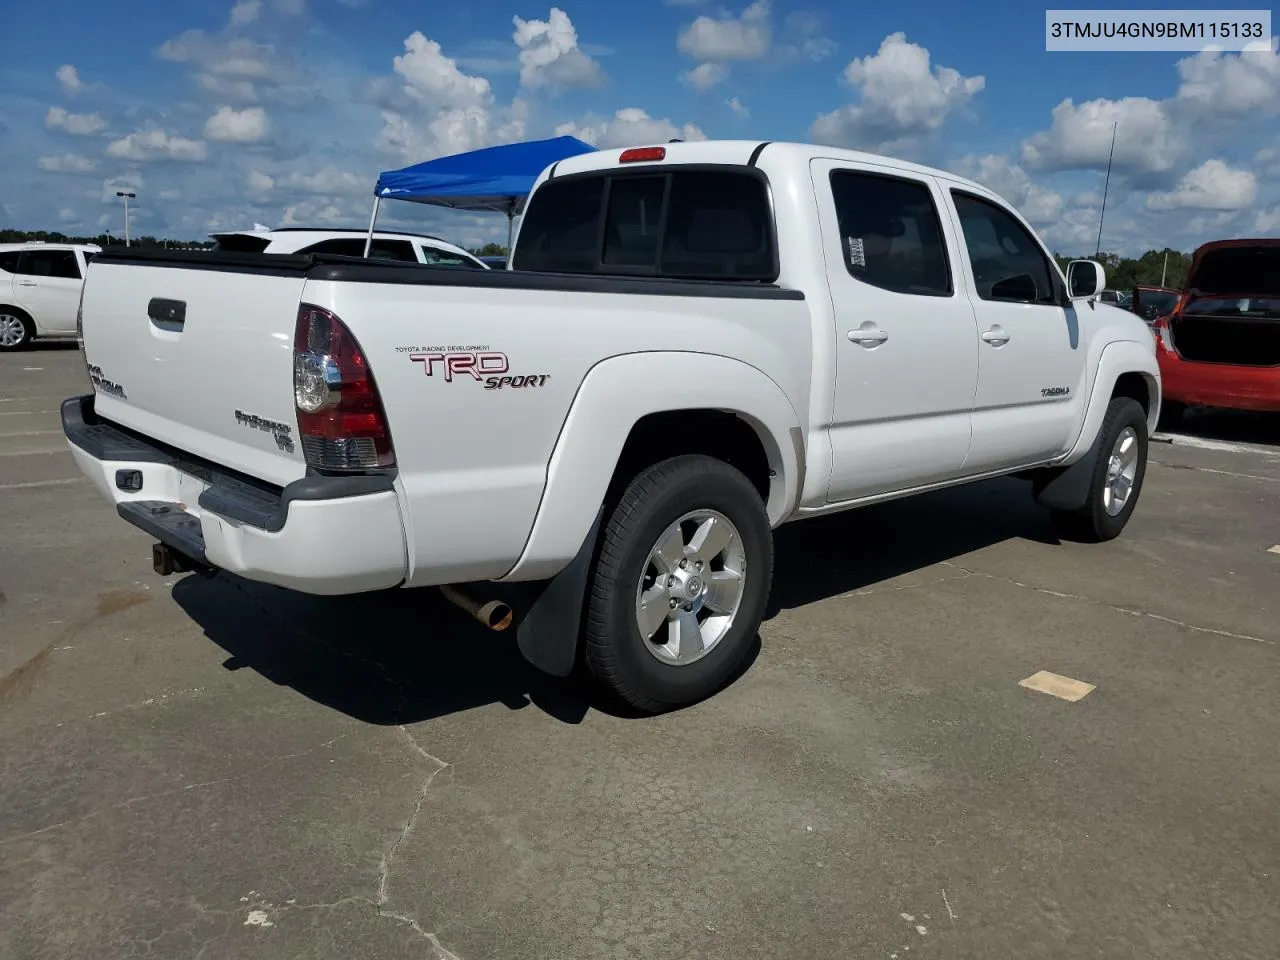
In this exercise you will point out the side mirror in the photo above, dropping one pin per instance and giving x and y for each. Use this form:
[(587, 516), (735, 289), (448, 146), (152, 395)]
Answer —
[(1085, 279)]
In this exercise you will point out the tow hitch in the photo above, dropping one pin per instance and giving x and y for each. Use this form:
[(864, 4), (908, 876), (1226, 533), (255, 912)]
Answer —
[(166, 561)]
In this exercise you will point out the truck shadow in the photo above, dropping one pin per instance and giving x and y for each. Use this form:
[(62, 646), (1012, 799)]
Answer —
[(405, 656)]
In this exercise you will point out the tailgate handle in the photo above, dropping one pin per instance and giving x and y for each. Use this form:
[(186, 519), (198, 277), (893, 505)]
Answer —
[(167, 314)]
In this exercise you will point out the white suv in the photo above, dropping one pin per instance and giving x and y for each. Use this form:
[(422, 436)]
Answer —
[(40, 290), (409, 247)]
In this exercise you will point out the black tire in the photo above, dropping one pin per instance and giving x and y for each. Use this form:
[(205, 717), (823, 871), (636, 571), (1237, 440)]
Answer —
[(1171, 414), (614, 651), (1091, 523), (28, 330)]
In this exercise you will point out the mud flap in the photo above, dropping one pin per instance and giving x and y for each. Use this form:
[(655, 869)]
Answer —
[(550, 611), (1067, 488)]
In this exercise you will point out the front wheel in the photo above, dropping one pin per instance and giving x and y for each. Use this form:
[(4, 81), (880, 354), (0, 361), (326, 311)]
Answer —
[(1118, 471), (680, 584)]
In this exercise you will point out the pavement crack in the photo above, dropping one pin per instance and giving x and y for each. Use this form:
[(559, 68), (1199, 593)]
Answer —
[(389, 858), (866, 591), (1195, 628)]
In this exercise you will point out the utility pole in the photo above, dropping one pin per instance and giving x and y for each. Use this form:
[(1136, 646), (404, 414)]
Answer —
[(1165, 269), (127, 197), (1106, 186)]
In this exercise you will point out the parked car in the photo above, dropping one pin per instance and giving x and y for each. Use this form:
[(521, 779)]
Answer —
[(1150, 302), (406, 247), (697, 343), (40, 287), (1220, 346)]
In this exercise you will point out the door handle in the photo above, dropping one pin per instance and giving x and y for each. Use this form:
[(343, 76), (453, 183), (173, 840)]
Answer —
[(868, 335), (996, 336), (27, 283)]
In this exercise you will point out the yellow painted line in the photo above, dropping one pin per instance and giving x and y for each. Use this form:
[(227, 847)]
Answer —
[(1064, 688), (1275, 549)]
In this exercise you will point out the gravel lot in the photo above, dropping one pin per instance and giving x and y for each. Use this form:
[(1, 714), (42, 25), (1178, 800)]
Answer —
[(209, 768)]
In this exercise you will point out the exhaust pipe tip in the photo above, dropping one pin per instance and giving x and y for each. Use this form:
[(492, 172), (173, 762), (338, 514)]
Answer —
[(494, 614)]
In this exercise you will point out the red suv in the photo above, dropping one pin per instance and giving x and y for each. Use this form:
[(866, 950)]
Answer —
[(1220, 345)]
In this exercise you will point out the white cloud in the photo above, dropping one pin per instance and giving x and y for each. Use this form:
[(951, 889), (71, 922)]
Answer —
[(737, 107), (79, 124), (132, 182), (1267, 222), (67, 163), (70, 80), (67, 215), (901, 96), (1267, 161), (246, 11), (628, 127), (155, 144), (1038, 204), (1211, 186), (550, 55), (803, 39), (1080, 137), (260, 182), (443, 109), (236, 68), (327, 180), (435, 80), (706, 75), (237, 126), (1218, 84), (717, 39)]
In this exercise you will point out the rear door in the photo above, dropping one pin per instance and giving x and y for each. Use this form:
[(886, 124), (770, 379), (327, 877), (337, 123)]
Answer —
[(905, 342), (1031, 365), (47, 286)]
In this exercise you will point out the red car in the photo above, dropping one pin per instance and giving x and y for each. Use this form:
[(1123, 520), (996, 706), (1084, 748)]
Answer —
[(1220, 345)]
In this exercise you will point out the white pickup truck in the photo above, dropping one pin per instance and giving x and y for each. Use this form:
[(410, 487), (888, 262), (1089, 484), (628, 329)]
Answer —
[(696, 343)]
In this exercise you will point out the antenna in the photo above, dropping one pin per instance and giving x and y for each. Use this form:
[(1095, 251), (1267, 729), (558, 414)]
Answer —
[(1098, 252)]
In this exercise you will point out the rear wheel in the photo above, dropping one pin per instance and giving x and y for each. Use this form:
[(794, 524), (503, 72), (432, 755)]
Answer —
[(16, 329), (680, 584), (1118, 472)]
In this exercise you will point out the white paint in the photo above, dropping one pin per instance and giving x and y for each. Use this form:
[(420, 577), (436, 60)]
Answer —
[(947, 903), (32, 369), (32, 484), (1275, 549), (922, 929), (907, 917), (258, 918)]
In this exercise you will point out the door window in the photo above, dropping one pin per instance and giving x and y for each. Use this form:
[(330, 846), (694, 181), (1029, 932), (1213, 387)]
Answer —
[(1008, 264), (890, 234), (50, 263), (9, 260), (447, 258)]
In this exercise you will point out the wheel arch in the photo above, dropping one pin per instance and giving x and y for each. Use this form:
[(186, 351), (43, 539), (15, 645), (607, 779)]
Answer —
[(635, 409), (1125, 368)]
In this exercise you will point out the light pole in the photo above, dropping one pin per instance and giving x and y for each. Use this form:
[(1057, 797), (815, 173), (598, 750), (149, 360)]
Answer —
[(127, 197)]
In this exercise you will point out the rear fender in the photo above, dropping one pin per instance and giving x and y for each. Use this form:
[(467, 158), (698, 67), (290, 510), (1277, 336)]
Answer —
[(614, 395)]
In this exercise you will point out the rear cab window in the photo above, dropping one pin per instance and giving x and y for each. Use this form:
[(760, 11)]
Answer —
[(680, 223)]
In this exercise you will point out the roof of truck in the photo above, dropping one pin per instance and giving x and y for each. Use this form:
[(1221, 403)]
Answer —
[(749, 152)]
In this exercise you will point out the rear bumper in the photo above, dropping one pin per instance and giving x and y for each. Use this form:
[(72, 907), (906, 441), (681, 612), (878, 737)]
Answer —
[(1219, 384), (319, 535)]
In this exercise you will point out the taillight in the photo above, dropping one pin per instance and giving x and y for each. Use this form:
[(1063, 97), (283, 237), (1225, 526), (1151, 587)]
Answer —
[(340, 417)]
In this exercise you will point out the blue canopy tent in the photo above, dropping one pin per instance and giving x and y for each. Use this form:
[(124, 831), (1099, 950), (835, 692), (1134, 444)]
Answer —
[(496, 178)]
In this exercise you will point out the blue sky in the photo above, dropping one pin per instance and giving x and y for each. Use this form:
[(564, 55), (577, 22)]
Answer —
[(223, 114)]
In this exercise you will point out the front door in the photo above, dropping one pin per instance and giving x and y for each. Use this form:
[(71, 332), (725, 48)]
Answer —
[(1031, 361), (906, 358), (47, 286)]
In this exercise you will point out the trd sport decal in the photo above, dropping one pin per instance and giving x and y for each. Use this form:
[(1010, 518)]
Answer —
[(484, 366)]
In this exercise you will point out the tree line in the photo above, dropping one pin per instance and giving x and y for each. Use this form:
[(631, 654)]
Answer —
[(1124, 273), (102, 239)]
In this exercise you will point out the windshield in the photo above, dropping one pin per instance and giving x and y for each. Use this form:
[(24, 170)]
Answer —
[(1261, 307)]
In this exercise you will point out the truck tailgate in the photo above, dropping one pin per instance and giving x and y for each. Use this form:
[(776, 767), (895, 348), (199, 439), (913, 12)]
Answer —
[(200, 359)]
